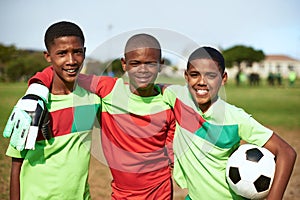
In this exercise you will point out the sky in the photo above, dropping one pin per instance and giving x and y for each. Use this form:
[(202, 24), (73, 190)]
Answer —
[(269, 25)]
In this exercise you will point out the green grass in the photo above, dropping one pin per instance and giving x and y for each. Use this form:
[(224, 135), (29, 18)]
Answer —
[(273, 106), (9, 95)]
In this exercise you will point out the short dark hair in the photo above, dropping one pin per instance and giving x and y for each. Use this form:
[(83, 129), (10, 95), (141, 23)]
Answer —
[(61, 29), (208, 53), (142, 40)]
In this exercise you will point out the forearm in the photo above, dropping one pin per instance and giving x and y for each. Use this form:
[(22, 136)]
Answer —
[(285, 160), (284, 168), (15, 178)]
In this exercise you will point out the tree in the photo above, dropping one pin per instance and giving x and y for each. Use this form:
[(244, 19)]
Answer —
[(23, 67), (15, 69), (237, 54), (7, 53), (19, 65), (116, 67)]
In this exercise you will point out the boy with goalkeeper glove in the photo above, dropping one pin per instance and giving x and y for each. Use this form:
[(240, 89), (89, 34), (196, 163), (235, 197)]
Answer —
[(56, 167)]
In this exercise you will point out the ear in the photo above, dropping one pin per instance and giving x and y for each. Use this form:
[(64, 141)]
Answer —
[(47, 56), (84, 51), (123, 62), (224, 78), (185, 75), (162, 62)]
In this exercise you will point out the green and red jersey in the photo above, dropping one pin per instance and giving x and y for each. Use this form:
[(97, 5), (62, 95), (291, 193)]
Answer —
[(137, 134), (204, 141), (58, 168)]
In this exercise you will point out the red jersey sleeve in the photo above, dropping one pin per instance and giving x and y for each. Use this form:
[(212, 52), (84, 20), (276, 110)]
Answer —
[(45, 77), (100, 85), (170, 137)]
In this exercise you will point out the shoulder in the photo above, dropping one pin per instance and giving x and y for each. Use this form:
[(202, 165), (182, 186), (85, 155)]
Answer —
[(175, 89), (229, 107), (233, 114)]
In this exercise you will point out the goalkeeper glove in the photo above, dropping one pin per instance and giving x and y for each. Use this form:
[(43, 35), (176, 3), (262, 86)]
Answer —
[(28, 116)]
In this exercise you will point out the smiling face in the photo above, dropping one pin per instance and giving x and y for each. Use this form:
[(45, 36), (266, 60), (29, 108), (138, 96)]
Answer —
[(142, 66), (66, 54), (204, 80)]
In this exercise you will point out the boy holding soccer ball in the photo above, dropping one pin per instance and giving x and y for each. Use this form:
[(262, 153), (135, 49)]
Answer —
[(57, 167), (208, 130)]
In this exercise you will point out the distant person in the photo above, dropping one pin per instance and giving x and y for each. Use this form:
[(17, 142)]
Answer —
[(279, 78), (208, 130), (271, 79), (237, 78), (242, 77), (254, 79), (292, 77)]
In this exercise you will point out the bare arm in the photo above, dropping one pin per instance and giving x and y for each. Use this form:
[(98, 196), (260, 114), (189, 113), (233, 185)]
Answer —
[(15, 178), (285, 160)]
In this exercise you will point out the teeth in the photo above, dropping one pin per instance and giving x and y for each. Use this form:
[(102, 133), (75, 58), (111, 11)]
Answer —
[(71, 70), (202, 92)]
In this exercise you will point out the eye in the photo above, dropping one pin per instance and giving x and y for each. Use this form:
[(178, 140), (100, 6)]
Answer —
[(134, 64), (211, 75), (151, 64), (194, 74), (61, 53), (78, 51)]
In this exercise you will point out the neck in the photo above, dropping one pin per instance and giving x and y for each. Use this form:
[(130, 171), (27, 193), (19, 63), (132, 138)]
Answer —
[(60, 87), (144, 92), (206, 106)]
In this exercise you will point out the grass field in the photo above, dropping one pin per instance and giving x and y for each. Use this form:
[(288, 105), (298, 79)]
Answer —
[(276, 107)]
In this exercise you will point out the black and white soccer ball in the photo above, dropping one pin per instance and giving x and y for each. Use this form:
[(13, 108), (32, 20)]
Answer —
[(250, 171)]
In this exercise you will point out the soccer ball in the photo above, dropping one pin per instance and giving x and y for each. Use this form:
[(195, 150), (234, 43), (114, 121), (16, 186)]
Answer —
[(250, 171)]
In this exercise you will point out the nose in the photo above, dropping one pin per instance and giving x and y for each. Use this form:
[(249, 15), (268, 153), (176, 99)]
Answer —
[(71, 59), (143, 68), (201, 80)]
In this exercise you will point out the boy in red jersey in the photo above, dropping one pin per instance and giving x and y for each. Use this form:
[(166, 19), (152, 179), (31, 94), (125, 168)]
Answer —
[(58, 168), (137, 126)]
